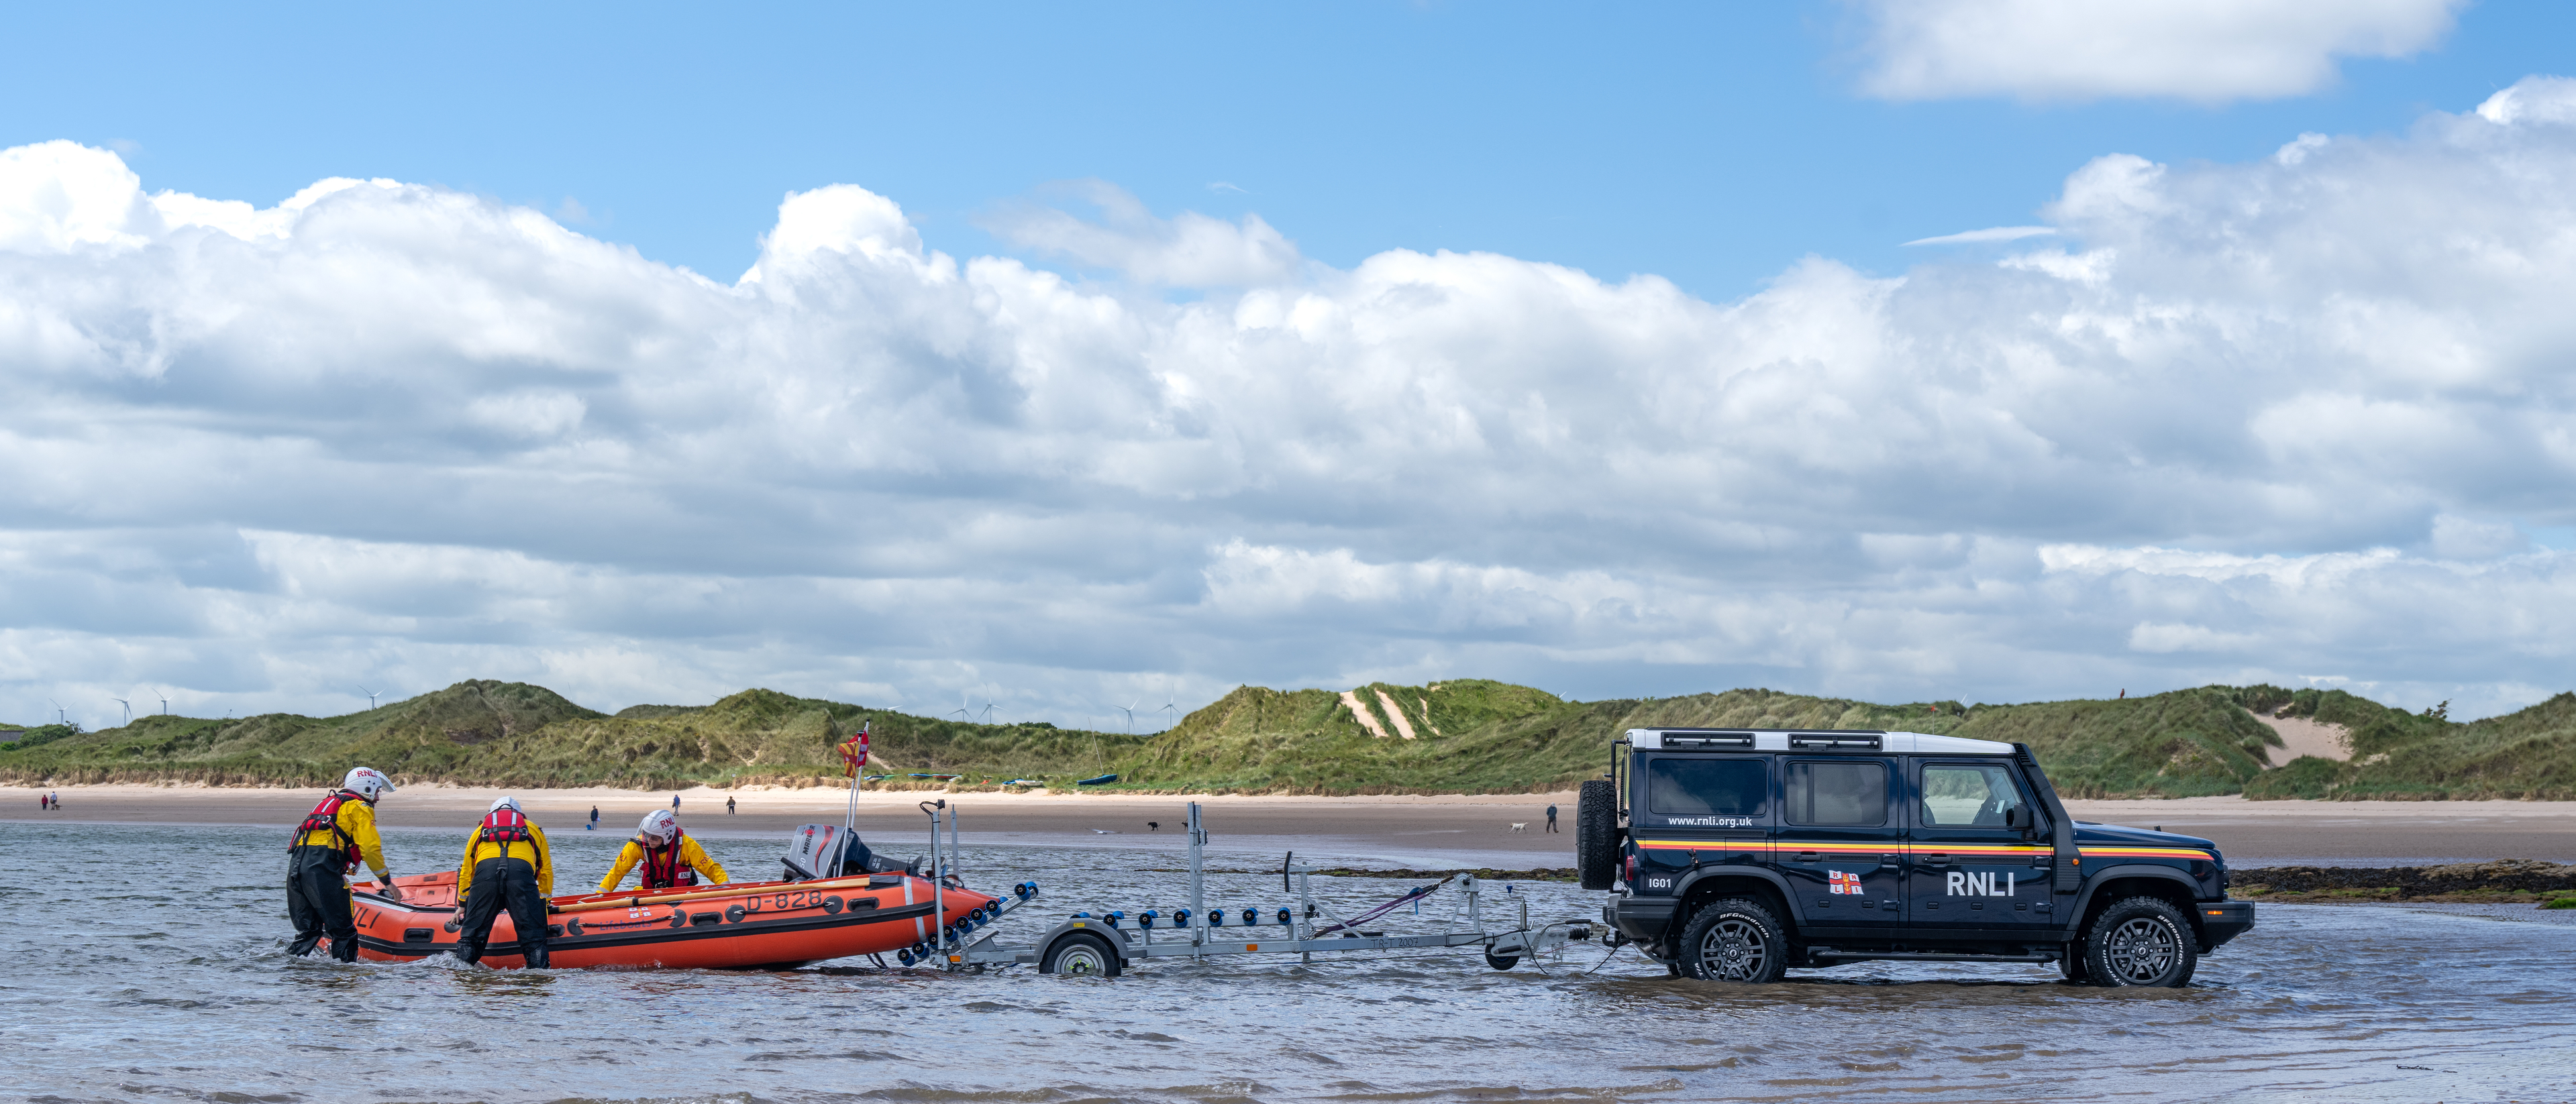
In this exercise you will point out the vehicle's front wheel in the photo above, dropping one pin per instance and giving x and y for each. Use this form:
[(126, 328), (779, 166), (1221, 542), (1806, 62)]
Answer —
[(1733, 940), (2140, 941)]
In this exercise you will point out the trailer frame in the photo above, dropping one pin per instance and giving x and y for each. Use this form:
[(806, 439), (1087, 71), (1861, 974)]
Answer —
[(1198, 939)]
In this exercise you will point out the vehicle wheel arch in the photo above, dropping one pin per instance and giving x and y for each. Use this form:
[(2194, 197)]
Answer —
[(1761, 886), (2141, 880)]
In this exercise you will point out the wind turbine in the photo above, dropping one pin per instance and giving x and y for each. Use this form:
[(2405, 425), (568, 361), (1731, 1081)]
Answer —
[(1130, 711), (60, 717), (371, 697), (129, 710), (960, 712), (165, 702), (988, 711), (1174, 710)]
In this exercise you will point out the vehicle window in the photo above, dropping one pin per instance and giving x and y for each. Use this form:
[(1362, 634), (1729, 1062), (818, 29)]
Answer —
[(1707, 787), (1967, 795), (1845, 794)]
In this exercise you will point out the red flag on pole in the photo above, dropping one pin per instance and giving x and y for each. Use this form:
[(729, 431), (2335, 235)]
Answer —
[(854, 752)]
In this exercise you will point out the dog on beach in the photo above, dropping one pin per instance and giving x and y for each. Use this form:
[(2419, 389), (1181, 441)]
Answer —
[(1520, 826)]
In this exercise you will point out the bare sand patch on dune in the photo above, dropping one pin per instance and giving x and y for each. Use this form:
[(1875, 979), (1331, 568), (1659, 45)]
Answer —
[(2305, 736)]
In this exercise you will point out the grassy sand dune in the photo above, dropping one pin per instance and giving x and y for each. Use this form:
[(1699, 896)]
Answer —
[(1467, 736)]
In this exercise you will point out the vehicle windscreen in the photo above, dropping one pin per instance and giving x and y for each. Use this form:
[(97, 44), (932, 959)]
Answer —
[(1696, 787)]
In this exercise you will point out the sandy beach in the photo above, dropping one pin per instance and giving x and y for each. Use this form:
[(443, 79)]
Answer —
[(1400, 830)]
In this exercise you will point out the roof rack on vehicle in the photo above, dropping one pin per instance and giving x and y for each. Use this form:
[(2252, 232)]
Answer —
[(1705, 737), (1870, 740)]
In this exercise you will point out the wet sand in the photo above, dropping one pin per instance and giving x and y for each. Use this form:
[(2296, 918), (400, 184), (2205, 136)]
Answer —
[(1398, 830)]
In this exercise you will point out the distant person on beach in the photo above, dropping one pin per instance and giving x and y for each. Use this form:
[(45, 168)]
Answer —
[(728, 804), (44, 801), (671, 859), (505, 866), (57, 798), (1551, 818), (594, 819), (675, 802), (335, 837)]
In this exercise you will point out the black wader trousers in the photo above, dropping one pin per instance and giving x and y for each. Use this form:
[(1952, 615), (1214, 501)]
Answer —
[(318, 901), (500, 883)]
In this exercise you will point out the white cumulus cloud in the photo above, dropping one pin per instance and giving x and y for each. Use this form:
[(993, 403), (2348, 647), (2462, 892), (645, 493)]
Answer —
[(2237, 421), (1187, 250), (2207, 51)]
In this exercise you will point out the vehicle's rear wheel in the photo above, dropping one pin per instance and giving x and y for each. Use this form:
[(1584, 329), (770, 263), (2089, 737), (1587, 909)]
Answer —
[(2140, 941), (1596, 834), (1733, 940), (1081, 953)]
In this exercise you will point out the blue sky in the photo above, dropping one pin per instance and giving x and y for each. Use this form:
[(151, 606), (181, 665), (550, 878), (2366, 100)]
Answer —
[(1055, 359), (1713, 144)]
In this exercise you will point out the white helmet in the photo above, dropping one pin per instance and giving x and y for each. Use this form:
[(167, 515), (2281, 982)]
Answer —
[(660, 824), (367, 782), (510, 803)]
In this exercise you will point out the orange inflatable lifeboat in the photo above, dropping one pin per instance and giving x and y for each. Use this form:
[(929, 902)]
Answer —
[(737, 926)]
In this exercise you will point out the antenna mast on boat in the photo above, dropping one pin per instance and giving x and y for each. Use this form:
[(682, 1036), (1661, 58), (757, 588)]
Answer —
[(855, 752)]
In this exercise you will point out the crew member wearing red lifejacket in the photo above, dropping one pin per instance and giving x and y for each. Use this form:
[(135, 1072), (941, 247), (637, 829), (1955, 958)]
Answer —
[(671, 859), (505, 866), (338, 835)]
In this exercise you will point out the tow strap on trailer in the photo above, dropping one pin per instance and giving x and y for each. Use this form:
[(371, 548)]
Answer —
[(1415, 894)]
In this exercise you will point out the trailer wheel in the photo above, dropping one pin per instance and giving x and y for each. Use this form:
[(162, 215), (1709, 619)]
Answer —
[(1596, 834), (1501, 962), (1080, 953)]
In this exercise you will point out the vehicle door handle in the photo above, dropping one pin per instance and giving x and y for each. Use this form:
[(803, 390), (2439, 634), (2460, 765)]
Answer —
[(1808, 856), (1940, 858)]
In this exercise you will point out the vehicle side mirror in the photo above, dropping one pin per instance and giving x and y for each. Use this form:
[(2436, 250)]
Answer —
[(2018, 818)]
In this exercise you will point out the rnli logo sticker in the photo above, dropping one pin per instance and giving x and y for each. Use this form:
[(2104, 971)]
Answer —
[(1843, 881)]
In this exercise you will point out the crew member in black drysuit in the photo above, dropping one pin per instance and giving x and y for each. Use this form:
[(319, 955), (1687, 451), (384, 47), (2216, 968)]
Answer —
[(505, 865), (335, 837)]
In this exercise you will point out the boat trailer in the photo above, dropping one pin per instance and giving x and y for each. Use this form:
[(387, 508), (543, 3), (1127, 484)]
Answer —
[(1106, 944)]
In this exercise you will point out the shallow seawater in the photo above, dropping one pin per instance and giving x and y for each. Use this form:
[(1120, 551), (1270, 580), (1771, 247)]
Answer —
[(147, 963)]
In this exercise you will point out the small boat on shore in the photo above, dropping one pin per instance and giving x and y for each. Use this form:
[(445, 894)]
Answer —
[(744, 925)]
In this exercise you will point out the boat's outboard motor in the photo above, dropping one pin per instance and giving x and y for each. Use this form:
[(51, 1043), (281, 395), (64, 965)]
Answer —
[(831, 851)]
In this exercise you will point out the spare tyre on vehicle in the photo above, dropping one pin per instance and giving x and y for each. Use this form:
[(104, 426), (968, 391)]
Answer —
[(1596, 834)]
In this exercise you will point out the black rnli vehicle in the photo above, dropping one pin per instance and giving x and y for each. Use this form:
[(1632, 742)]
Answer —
[(1737, 854)]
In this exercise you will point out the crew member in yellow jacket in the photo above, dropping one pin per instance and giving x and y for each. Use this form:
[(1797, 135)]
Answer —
[(335, 837), (671, 859), (505, 866)]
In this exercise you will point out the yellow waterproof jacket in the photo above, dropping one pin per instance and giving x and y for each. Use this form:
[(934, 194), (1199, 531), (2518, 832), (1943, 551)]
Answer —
[(476, 850), (357, 821), (691, 855)]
